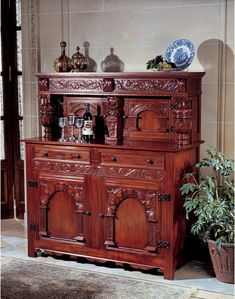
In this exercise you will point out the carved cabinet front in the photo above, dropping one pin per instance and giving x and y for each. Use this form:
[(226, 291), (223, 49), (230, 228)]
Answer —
[(117, 198), (97, 205)]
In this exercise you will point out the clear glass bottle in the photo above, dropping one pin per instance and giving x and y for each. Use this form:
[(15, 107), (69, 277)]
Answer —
[(61, 64)]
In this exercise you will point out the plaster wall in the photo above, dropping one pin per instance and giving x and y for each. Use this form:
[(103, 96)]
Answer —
[(136, 31)]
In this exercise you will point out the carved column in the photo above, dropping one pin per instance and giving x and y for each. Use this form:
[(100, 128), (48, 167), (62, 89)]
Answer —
[(47, 115), (182, 118), (114, 119)]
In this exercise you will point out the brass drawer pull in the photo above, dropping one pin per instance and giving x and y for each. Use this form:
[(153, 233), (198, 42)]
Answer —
[(150, 161), (78, 156), (114, 159), (45, 154)]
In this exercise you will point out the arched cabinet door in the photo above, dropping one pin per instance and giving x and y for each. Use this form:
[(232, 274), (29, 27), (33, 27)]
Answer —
[(62, 209), (132, 219), (148, 121)]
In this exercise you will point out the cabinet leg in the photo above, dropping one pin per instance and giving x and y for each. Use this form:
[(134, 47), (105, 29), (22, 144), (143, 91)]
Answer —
[(32, 252), (169, 274)]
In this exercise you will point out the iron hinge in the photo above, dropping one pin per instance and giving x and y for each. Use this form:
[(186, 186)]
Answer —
[(164, 197), (33, 184), (34, 227), (170, 130), (174, 105), (163, 244)]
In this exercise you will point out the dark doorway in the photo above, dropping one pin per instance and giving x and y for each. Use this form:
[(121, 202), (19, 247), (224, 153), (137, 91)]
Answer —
[(11, 109)]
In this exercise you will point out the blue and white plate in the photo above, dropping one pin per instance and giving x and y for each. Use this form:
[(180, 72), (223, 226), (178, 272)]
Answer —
[(181, 52)]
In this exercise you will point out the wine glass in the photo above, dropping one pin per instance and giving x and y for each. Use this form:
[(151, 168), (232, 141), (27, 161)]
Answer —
[(71, 120), (79, 122), (63, 122)]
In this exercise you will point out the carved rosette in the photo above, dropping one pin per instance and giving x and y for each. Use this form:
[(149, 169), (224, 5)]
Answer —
[(146, 197), (114, 119), (43, 84), (108, 84), (182, 117), (47, 189), (47, 115)]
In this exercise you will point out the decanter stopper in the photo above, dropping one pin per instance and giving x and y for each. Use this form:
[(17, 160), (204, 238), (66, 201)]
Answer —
[(78, 62), (61, 63)]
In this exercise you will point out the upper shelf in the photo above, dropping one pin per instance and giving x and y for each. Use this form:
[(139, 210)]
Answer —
[(131, 83)]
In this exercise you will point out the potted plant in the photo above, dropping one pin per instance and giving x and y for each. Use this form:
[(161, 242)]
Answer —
[(210, 198)]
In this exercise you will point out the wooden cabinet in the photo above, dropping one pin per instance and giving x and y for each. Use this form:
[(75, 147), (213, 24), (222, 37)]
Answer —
[(116, 200)]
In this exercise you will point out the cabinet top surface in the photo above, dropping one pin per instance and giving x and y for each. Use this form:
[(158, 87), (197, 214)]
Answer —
[(145, 74), (125, 145)]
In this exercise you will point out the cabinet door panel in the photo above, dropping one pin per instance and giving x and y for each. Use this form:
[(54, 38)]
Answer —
[(132, 218), (61, 216), (62, 208), (148, 121), (131, 227)]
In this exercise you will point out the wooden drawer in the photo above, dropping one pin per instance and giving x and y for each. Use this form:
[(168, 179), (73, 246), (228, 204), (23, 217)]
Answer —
[(135, 160), (60, 153)]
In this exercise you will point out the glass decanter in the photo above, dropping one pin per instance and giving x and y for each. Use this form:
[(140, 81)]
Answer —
[(61, 64), (78, 62)]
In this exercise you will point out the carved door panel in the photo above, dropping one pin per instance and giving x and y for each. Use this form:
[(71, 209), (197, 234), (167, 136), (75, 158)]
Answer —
[(62, 209), (148, 121), (132, 217)]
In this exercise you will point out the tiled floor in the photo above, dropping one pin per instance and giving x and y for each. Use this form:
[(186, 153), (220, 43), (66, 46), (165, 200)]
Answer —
[(193, 275)]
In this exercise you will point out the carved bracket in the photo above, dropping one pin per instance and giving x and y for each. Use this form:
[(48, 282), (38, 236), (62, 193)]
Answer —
[(47, 115), (114, 119), (182, 117)]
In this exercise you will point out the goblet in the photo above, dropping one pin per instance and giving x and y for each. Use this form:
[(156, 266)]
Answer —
[(71, 120), (79, 122), (63, 122)]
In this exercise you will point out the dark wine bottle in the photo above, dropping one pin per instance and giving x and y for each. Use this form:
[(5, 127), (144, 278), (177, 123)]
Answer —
[(99, 125), (87, 131)]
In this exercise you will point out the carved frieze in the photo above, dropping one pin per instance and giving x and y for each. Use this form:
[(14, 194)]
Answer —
[(76, 84), (119, 172), (171, 85)]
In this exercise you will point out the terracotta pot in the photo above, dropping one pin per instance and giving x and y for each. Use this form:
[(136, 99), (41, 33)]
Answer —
[(223, 261)]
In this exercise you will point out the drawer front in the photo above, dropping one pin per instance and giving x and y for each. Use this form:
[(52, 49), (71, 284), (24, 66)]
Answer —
[(136, 160), (57, 153)]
